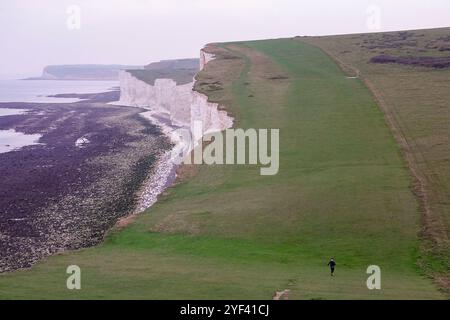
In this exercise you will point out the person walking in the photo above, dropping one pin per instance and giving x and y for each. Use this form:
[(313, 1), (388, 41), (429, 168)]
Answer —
[(332, 264)]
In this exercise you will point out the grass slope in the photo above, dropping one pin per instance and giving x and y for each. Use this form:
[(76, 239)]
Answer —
[(417, 101), (227, 232)]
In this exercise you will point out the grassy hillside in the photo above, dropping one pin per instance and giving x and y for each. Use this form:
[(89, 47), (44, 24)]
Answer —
[(182, 71), (415, 98), (343, 190)]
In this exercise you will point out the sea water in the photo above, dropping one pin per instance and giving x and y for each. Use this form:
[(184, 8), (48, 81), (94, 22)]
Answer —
[(39, 90)]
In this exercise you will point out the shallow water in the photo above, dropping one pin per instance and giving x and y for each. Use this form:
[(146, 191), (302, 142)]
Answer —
[(12, 140), (11, 112), (38, 90)]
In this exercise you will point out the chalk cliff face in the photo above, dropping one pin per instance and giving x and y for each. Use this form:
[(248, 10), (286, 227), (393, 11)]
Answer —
[(177, 103), (178, 110), (205, 57)]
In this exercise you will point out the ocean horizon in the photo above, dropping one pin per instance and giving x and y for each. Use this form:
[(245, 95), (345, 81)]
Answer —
[(38, 91)]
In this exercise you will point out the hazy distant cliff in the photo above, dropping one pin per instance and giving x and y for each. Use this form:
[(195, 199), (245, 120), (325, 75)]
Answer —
[(83, 72)]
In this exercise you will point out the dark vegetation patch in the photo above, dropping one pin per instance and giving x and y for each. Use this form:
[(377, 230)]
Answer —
[(438, 45), (229, 56), (182, 71), (429, 62), (210, 85), (278, 77), (389, 40), (445, 38), (406, 47), (180, 76)]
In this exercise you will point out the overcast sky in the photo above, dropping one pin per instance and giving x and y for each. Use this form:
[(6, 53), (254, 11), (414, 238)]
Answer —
[(35, 33)]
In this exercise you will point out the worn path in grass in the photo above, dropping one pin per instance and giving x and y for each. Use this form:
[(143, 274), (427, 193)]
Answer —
[(343, 190), (415, 102)]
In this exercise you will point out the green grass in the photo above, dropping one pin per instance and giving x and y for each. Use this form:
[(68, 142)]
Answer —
[(417, 98), (180, 76), (342, 190)]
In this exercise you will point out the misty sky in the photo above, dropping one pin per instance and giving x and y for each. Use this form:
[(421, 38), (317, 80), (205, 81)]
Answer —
[(35, 33)]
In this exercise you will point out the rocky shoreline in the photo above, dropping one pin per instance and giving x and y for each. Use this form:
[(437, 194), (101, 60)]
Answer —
[(63, 195)]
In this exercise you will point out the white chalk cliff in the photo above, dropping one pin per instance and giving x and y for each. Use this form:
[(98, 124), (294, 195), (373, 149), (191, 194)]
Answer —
[(175, 108), (180, 104)]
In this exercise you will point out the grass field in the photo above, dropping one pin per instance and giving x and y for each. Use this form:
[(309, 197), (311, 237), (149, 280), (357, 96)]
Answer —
[(343, 190), (416, 98)]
